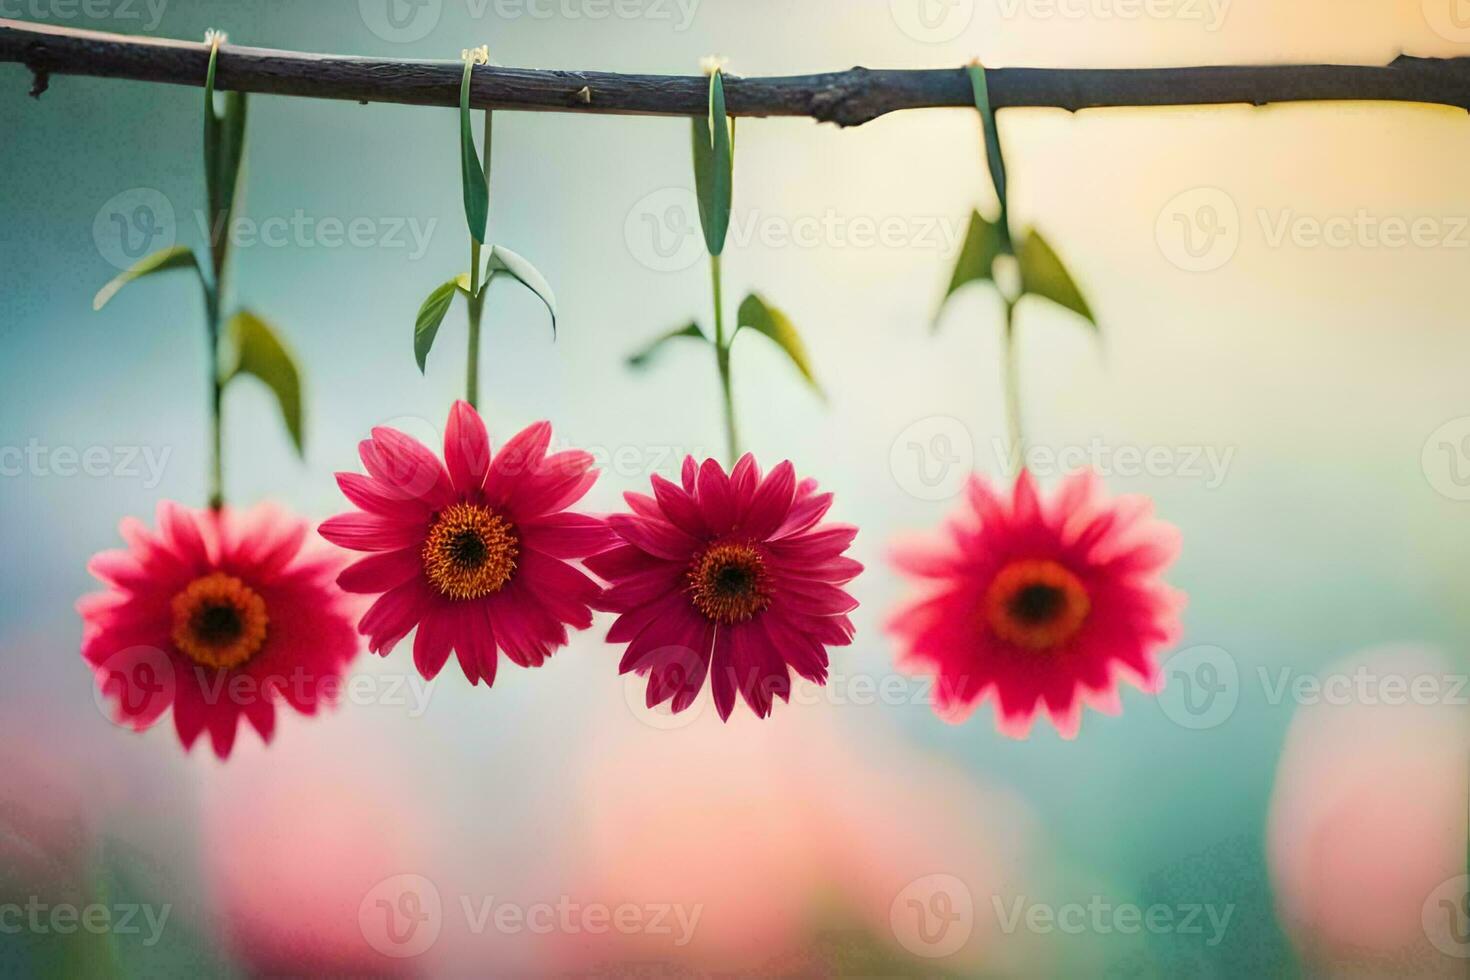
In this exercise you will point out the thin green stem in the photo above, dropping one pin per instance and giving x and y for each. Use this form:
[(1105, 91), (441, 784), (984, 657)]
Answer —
[(722, 361), (477, 297), (1012, 384), (216, 400)]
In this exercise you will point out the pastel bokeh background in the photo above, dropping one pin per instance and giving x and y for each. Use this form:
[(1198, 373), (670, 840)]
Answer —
[(1303, 403)]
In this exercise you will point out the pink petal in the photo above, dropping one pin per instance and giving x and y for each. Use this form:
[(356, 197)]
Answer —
[(370, 532), (466, 449)]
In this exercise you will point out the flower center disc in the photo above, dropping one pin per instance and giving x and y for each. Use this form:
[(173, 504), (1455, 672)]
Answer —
[(729, 583), (1036, 604), (219, 621), (471, 552)]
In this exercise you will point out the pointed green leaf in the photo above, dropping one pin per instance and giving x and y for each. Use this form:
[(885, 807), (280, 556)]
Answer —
[(178, 257), (224, 153), (503, 259), (642, 358), (983, 245), (1043, 274), (431, 314), (462, 283), (472, 173), (764, 318), (714, 155), (993, 156), (259, 352)]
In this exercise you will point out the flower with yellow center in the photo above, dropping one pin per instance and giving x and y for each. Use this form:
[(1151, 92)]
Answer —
[(1036, 604), (219, 621), (729, 583), (470, 552)]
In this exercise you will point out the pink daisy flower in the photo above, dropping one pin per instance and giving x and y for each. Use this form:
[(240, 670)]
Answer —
[(475, 556), (217, 615), (1046, 605), (729, 576)]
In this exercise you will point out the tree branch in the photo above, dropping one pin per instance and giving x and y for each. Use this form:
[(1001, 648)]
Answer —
[(848, 98)]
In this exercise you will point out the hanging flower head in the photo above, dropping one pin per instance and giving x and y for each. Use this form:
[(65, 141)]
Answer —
[(477, 556), (1046, 605), (218, 614), (730, 576)]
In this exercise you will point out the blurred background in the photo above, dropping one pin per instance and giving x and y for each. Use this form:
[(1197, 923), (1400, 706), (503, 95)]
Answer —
[(1294, 400)]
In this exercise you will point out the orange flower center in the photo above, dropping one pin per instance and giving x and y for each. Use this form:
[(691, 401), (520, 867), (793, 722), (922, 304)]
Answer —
[(1036, 604), (471, 552), (729, 583), (219, 621)]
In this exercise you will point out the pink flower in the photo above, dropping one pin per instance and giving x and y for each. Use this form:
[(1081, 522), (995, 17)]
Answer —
[(1046, 605), (730, 576), (475, 557), (218, 615)]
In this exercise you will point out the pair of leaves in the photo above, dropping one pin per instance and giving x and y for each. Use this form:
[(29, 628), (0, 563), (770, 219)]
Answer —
[(714, 166), (474, 174), (254, 347), (436, 307), (758, 315), (1041, 269), (224, 153)]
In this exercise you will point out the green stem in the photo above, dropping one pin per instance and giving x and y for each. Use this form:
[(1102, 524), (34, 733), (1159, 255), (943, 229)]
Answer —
[(216, 401), (1012, 384), (477, 298), (722, 361)]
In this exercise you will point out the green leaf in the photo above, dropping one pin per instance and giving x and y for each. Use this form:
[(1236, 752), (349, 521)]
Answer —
[(1043, 274), (764, 318), (714, 155), (642, 358), (983, 245), (431, 314), (178, 257), (993, 156), (259, 352), (472, 173), (224, 153), (503, 259)]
